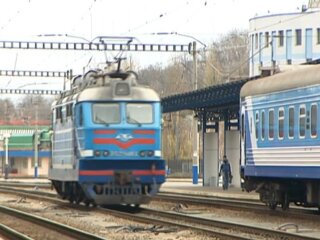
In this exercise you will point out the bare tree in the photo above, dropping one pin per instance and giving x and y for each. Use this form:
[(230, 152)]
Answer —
[(227, 58)]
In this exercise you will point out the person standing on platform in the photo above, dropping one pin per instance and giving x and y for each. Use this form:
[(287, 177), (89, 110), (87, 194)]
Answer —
[(225, 170)]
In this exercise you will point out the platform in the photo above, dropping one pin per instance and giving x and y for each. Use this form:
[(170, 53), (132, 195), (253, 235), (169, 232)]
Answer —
[(185, 185)]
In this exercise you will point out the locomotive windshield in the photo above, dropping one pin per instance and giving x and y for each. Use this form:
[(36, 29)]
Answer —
[(139, 113), (106, 113)]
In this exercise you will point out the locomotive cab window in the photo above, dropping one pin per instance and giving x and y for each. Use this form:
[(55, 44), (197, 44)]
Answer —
[(139, 113), (106, 113)]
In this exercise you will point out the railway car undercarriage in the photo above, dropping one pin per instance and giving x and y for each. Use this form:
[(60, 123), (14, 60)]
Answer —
[(102, 194), (274, 192)]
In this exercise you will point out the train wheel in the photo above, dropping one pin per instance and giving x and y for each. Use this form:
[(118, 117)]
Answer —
[(285, 203), (272, 205)]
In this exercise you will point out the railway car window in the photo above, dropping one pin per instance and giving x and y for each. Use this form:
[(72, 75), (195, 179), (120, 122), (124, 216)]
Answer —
[(106, 113), (256, 41), (291, 122), (257, 125), (302, 121), (281, 38), (266, 39), (298, 37), (314, 114), (281, 123), (271, 124), (139, 113), (262, 125), (318, 35)]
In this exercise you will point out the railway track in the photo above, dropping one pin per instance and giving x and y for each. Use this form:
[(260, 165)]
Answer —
[(20, 225), (213, 227)]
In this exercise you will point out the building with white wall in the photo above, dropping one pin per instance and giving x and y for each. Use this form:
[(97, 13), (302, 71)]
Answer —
[(279, 41)]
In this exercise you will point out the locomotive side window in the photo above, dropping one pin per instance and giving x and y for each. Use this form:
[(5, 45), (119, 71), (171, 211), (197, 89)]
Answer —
[(314, 114), (138, 113), (302, 121), (271, 124), (257, 125), (106, 113), (291, 122), (281, 123), (262, 125)]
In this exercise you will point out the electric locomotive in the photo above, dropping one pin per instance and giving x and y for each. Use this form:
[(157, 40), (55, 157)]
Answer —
[(280, 137), (106, 143)]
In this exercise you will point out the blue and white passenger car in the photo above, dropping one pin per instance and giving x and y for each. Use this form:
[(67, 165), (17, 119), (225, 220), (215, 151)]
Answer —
[(106, 146), (280, 137)]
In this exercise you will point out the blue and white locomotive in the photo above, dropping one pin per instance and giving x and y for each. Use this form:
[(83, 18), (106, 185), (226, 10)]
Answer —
[(280, 137), (106, 146)]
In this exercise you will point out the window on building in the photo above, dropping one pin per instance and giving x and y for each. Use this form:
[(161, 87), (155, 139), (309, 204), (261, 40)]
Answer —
[(256, 41), (271, 124), (281, 38), (318, 35), (281, 123), (314, 116), (291, 122), (267, 39), (298, 37), (262, 125), (302, 121), (257, 125)]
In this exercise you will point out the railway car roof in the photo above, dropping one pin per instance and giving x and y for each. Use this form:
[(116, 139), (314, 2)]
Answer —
[(305, 75)]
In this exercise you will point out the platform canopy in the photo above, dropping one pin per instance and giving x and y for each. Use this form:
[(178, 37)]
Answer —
[(218, 101)]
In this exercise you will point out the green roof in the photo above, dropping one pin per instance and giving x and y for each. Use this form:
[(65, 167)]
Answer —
[(24, 141)]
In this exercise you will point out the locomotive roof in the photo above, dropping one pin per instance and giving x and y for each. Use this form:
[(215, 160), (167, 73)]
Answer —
[(96, 85), (104, 93), (305, 75)]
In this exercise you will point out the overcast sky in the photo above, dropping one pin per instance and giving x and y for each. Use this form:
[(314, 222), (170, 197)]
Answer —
[(205, 20)]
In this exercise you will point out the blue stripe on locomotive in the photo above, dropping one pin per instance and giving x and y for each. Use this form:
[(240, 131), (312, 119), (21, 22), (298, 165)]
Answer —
[(293, 98)]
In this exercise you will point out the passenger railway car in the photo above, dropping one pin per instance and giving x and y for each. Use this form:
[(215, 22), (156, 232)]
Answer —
[(280, 137), (106, 146)]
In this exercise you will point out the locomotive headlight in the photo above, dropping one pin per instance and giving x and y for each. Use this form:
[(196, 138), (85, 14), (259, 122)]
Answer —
[(97, 153), (157, 153), (150, 153), (142, 153), (106, 153), (86, 153)]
